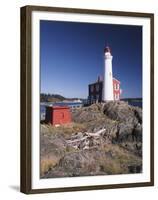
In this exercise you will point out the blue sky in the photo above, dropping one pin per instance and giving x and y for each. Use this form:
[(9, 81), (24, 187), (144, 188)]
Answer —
[(71, 57)]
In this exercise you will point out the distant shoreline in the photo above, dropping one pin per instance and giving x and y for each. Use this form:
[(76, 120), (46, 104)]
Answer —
[(56, 98), (132, 99)]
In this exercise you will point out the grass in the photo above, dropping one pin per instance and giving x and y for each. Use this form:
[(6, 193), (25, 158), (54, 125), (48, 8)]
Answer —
[(112, 167), (120, 160), (46, 164), (65, 129), (115, 160)]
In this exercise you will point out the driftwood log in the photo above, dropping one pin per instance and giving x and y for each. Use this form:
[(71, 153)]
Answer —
[(86, 140)]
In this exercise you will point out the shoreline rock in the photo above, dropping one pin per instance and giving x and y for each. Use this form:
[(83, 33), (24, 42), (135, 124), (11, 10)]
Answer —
[(104, 139)]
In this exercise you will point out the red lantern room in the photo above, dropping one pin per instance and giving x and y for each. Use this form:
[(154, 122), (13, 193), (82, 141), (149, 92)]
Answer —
[(57, 115), (107, 49)]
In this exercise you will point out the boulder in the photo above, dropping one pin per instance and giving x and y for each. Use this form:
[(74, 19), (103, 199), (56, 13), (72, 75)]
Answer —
[(121, 111)]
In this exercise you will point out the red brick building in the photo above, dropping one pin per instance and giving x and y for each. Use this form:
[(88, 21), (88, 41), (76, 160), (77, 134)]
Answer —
[(116, 89), (96, 90), (57, 115)]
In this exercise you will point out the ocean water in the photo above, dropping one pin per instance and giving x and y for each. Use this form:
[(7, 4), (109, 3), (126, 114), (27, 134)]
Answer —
[(136, 103)]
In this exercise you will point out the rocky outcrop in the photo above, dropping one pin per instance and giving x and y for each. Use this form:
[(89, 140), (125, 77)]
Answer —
[(96, 162), (122, 121), (119, 111), (129, 127), (104, 139)]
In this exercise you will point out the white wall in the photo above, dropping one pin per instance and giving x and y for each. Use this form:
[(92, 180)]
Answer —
[(9, 100)]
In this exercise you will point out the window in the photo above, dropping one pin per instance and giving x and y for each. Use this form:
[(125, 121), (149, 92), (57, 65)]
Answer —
[(92, 88), (117, 86), (92, 98), (97, 87), (117, 97), (97, 97)]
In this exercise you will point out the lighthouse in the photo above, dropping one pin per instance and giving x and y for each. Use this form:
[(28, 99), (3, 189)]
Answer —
[(108, 94)]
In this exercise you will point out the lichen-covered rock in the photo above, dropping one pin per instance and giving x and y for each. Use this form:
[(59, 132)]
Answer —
[(103, 139), (123, 112), (87, 114), (112, 160)]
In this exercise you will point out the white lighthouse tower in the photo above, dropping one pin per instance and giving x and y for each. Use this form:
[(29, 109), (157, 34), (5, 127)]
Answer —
[(108, 94)]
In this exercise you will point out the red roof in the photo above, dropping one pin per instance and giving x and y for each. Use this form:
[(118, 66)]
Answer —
[(107, 49), (116, 80)]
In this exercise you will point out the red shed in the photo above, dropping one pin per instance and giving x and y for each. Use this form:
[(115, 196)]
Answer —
[(57, 115)]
